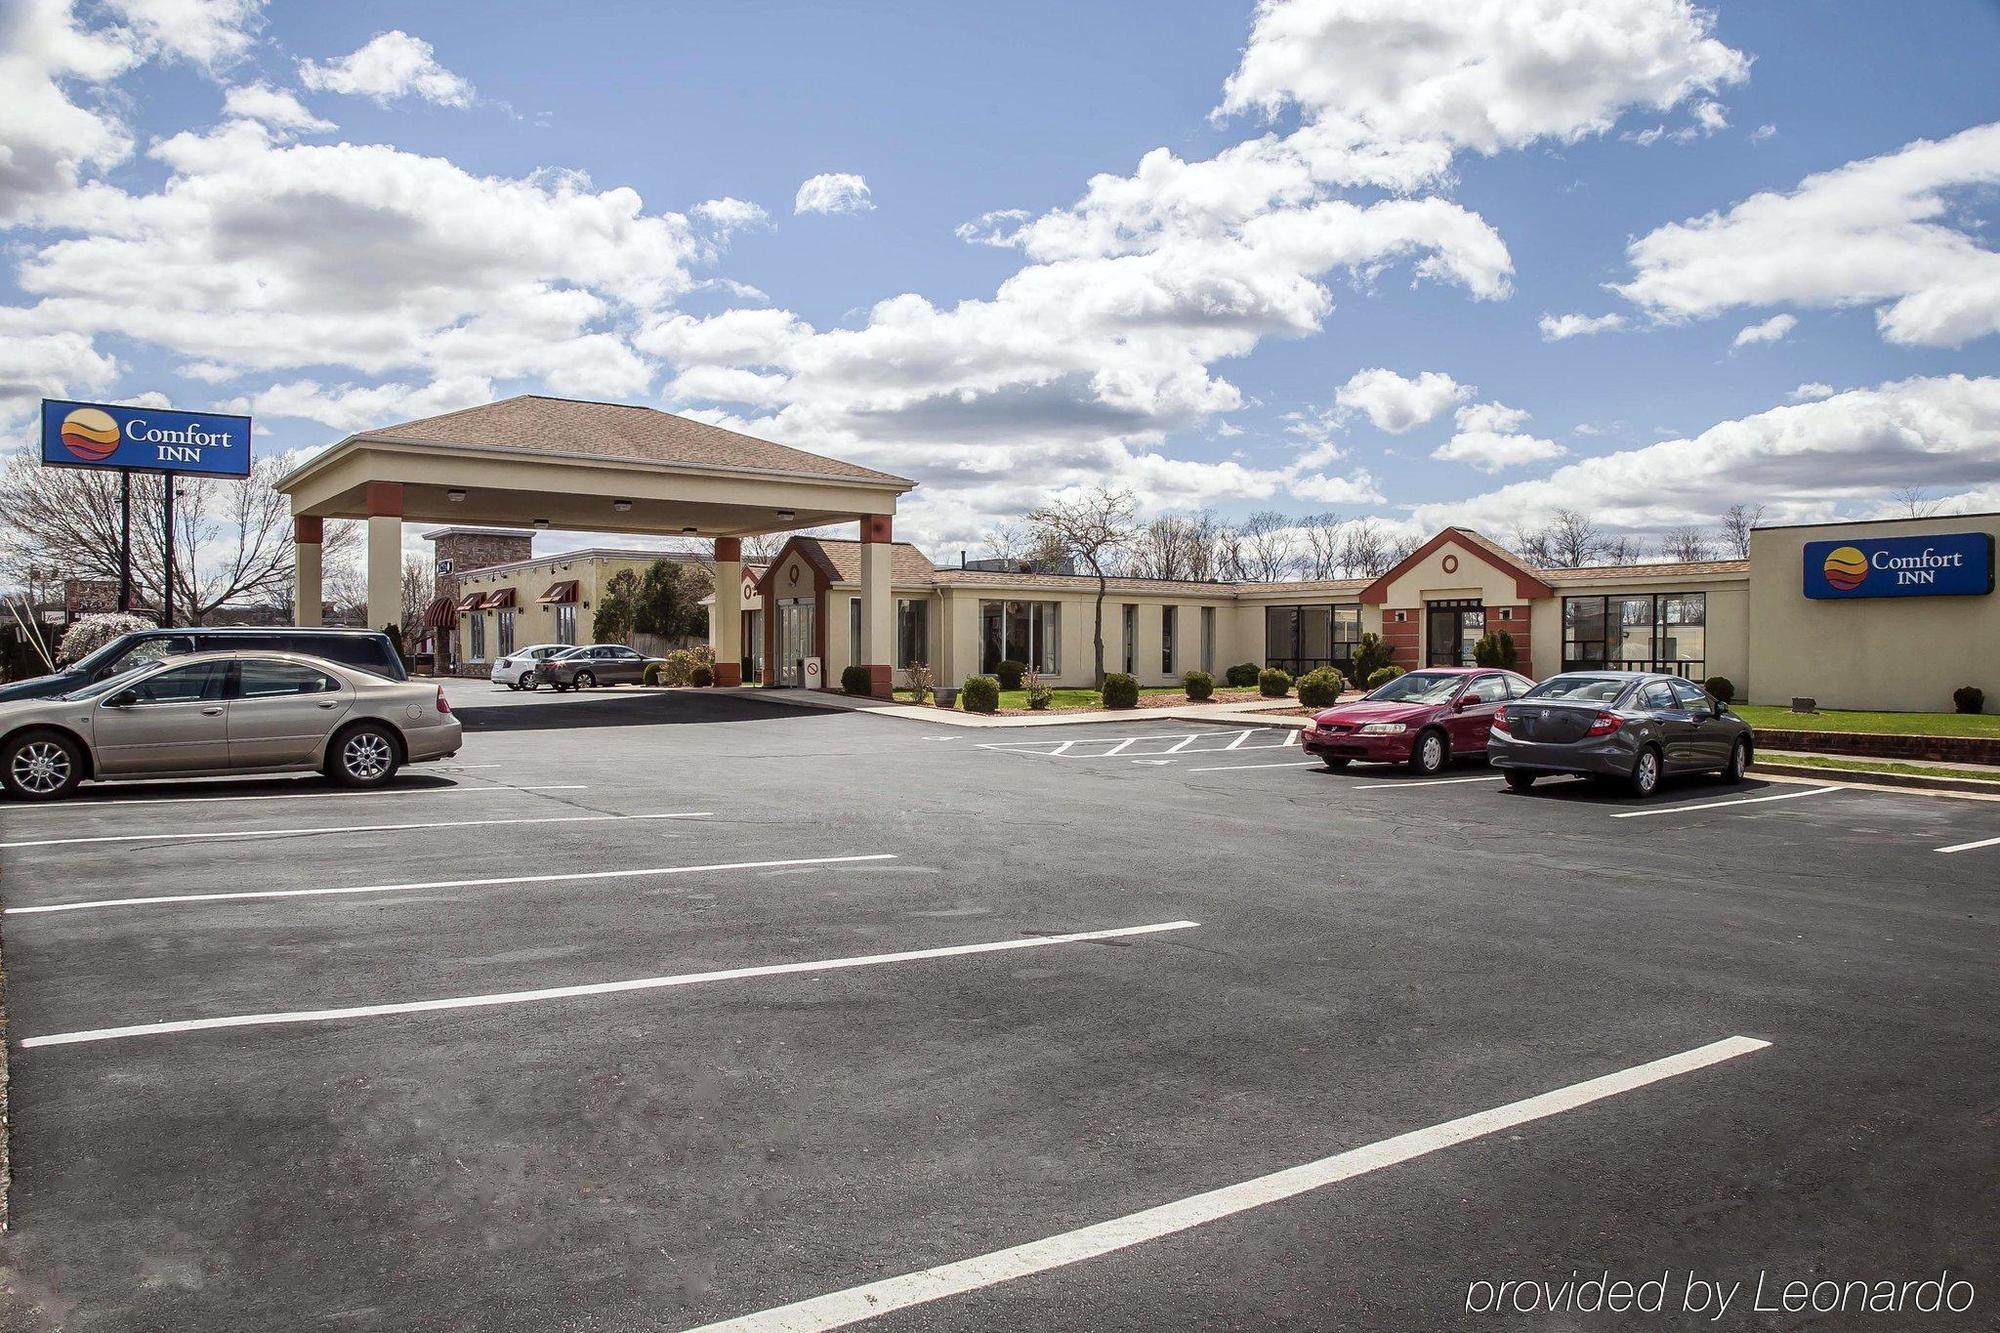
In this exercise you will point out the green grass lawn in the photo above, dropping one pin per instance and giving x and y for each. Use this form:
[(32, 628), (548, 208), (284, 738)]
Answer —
[(1894, 724), (1839, 766)]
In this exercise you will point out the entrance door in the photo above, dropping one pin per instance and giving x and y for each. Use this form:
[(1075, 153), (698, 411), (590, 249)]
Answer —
[(795, 638), (1451, 630)]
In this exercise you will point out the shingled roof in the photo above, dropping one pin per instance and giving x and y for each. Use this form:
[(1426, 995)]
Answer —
[(575, 428)]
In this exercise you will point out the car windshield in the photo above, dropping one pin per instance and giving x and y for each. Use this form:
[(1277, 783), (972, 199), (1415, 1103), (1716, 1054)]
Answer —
[(1580, 689), (1419, 687), (115, 681)]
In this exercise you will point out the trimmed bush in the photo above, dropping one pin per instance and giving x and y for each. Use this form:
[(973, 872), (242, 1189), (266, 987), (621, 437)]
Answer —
[(1384, 676), (981, 694), (1722, 687), (1321, 687), (1009, 673), (1121, 690), (678, 668), (854, 680), (1199, 685), (701, 677), (1241, 676), (651, 675), (1968, 699), (1273, 683), (1040, 696), (1495, 649), (1371, 654)]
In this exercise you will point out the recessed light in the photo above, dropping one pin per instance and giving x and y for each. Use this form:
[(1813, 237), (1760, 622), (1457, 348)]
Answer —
[(622, 506), (688, 531), (787, 514), (455, 495), (541, 523)]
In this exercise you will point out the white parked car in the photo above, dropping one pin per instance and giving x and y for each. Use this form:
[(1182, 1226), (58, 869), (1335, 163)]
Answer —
[(517, 669)]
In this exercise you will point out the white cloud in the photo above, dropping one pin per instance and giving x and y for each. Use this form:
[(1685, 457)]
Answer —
[(211, 33), (51, 365), (1894, 232), (392, 65), (833, 192), (1489, 438), (1396, 404), (1763, 132), (1479, 74), (1489, 417), (729, 214), (1555, 328), (49, 145), (276, 107), (1810, 391), (348, 408), (1806, 462), (1771, 330)]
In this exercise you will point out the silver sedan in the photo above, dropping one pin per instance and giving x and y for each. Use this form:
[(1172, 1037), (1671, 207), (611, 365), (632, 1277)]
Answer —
[(225, 713)]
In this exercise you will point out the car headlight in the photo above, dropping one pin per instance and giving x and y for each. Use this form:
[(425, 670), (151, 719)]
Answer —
[(1383, 728)]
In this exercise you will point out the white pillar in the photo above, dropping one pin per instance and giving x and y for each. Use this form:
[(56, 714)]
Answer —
[(385, 554), (878, 606), (307, 593), (725, 615)]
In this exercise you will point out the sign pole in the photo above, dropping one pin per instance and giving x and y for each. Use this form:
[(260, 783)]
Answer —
[(124, 539), (167, 565)]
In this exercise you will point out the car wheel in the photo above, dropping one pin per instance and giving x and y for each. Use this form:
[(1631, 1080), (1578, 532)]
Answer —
[(527, 680), (365, 756), (1334, 763), (1645, 779), (41, 766), (1520, 779), (584, 681), (1430, 754), (1739, 759)]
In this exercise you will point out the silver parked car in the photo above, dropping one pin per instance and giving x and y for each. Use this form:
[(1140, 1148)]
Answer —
[(517, 669), (1631, 725), (597, 664), (216, 713)]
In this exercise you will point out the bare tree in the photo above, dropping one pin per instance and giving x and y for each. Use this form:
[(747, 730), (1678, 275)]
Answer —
[(1622, 550), (1096, 527), (1232, 560), (1321, 557), (1005, 541), (1569, 540), (1915, 502), (419, 591), (1366, 550), (1532, 545), (232, 538), (1270, 546), (1166, 549), (763, 547), (1686, 544), (1737, 521)]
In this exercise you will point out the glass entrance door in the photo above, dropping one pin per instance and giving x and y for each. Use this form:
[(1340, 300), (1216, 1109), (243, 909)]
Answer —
[(795, 638), (1450, 631)]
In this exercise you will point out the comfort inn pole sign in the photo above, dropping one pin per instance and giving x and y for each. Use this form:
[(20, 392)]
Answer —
[(1952, 564), (144, 439)]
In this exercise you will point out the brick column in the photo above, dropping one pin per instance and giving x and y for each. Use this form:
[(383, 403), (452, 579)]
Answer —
[(385, 554), (878, 607), (308, 534), (725, 619), (1403, 638)]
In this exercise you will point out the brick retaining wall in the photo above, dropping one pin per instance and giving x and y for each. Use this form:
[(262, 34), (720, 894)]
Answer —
[(1950, 749)]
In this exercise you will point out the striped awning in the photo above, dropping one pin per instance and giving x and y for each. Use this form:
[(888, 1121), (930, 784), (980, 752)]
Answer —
[(470, 602), (498, 600), (442, 613), (560, 592)]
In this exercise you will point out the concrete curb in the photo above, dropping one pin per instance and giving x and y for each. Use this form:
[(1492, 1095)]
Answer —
[(1916, 781), (1248, 711)]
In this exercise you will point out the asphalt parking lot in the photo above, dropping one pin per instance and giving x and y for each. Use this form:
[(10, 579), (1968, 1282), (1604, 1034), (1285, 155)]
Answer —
[(651, 1011)]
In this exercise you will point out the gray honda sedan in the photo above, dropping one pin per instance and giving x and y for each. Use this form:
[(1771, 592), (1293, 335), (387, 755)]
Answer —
[(1632, 725)]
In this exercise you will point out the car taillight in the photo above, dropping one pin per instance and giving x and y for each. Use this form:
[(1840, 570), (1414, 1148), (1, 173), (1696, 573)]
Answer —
[(504, 664), (1604, 724), (1500, 719), (444, 704)]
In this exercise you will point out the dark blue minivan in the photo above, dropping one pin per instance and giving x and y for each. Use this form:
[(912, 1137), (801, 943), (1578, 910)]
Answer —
[(370, 650)]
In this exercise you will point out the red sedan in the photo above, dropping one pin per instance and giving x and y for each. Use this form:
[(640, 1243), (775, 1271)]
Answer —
[(1421, 719)]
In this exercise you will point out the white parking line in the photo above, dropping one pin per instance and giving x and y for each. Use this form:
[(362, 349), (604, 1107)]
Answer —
[(344, 828), (1237, 768), (1969, 846), (107, 802), (1717, 805), (596, 988), (1171, 743), (440, 884), (1425, 782), (877, 1298)]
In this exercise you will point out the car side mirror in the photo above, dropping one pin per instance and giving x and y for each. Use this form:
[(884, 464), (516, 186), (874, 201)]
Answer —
[(1463, 702), (1721, 708), (122, 699)]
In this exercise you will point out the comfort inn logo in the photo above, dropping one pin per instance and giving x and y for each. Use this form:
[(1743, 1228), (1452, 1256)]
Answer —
[(1944, 564), (90, 434), (1846, 567)]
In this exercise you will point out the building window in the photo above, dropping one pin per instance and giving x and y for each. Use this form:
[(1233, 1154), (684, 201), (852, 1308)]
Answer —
[(913, 631), (1298, 639), (1029, 632), (1637, 632), (1208, 639), (1169, 618), (478, 636), (566, 622), (854, 630), (506, 633), (1131, 638)]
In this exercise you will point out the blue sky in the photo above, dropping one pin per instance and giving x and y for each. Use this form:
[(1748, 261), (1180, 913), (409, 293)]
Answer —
[(342, 216)]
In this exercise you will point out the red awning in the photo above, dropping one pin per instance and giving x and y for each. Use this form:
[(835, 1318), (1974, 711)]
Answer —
[(560, 592), (498, 601), (442, 613), (470, 602)]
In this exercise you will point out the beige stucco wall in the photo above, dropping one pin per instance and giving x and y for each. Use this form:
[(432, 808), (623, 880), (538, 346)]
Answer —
[(1895, 653), (533, 622)]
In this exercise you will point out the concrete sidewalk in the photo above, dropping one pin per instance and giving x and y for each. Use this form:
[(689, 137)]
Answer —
[(1242, 711)]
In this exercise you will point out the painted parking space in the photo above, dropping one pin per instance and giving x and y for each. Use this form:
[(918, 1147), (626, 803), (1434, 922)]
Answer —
[(1221, 740)]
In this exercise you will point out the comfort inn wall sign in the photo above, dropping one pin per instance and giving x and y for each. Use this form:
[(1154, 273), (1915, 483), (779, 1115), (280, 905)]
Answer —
[(1953, 564)]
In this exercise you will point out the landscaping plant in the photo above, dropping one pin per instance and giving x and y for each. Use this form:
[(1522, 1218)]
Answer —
[(1384, 676), (1040, 696), (1121, 690), (702, 677), (1495, 649), (1371, 654), (1273, 683), (1010, 673), (1321, 687), (1242, 676), (1969, 699), (89, 633), (981, 694), (923, 685), (1722, 687), (854, 680), (1200, 685)]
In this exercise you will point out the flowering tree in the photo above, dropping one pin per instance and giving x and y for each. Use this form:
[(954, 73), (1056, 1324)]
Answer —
[(89, 633)]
